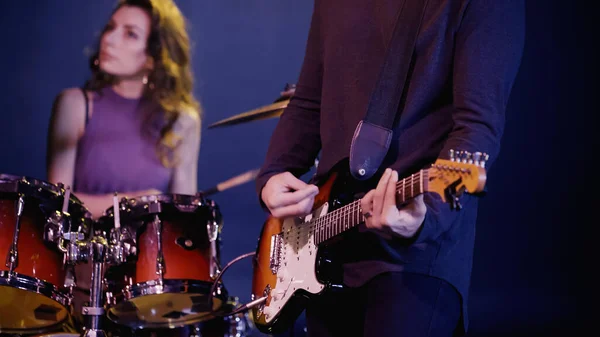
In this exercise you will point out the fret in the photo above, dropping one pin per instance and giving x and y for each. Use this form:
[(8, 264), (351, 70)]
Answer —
[(402, 189), (333, 224), (317, 231), (342, 223), (320, 224), (337, 221), (346, 217), (354, 216)]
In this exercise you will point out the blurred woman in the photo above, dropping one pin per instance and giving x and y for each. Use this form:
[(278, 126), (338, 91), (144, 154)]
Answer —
[(134, 127)]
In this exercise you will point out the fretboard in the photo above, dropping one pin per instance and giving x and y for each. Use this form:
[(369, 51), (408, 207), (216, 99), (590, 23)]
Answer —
[(351, 215)]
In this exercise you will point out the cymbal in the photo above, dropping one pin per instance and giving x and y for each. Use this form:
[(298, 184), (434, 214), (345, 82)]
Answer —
[(272, 110)]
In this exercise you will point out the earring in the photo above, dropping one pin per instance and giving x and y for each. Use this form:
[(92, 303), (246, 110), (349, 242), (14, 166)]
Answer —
[(96, 61), (145, 79)]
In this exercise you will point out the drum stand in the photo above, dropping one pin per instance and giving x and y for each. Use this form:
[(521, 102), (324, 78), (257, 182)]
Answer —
[(96, 310)]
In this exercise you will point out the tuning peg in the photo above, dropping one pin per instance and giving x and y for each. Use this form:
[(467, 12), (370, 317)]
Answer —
[(467, 157), (476, 157), (451, 154), (484, 159), (456, 203)]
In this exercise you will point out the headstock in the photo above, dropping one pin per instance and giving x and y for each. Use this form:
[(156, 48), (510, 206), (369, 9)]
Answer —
[(464, 171)]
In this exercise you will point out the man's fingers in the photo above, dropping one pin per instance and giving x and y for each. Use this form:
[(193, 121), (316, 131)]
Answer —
[(380, 192), (390, 192), (289, 198), (289, 181), (367, 201), (299, 209)]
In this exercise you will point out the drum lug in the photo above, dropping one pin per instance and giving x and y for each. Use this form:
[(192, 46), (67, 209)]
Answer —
[(122, 245), (212, 228), (12, 259), (160, 258), (77, 251)]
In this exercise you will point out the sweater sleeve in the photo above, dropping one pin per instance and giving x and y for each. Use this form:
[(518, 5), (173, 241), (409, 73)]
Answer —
[(295, 142), (488, 50)]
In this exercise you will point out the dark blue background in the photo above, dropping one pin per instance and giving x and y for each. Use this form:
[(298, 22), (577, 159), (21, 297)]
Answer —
[(530, 224)]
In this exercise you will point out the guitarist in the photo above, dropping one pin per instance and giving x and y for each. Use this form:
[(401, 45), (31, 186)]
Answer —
[(408, 273)]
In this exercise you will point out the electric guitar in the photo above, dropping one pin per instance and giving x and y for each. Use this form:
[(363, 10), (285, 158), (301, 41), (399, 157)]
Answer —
[(287, 266)]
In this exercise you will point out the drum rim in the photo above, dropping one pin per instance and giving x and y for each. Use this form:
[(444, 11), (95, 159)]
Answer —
[(25, 282), (132, 205), (9, 178), (51, 191), (138, 210), (38, 286), (170, 286)]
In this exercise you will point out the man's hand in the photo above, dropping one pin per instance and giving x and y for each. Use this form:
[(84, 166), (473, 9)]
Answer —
[(383, 216), (285, 195)]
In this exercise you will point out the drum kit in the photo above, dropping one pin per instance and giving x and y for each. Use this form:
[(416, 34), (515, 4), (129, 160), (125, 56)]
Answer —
[(154, 261)]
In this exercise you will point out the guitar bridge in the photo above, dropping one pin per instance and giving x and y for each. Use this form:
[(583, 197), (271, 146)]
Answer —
[(275, 257)]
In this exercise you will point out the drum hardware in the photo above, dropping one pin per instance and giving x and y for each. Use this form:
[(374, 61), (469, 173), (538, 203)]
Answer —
[(96, 310), (212, 229), (12, 259), (114, 252), (160, 257), (121, 242), (58, 231)]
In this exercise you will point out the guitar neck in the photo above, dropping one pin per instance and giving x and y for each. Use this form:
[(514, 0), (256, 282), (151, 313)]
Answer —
[(350, 215)]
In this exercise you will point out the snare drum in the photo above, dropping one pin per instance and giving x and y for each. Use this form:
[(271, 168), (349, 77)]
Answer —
[(166, 283), (33, 297)]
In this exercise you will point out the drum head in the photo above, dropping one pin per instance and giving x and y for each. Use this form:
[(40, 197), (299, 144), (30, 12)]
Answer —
[(238, 325), (178, 303), (24, 311)]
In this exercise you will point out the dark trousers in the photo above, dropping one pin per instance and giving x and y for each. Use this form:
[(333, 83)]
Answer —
[(391, 304)]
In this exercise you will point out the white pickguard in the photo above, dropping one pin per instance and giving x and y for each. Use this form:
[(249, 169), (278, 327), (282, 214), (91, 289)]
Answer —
[(297, 265)]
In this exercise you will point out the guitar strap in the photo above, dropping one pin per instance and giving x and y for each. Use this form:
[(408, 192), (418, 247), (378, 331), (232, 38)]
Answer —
[(373, 134)]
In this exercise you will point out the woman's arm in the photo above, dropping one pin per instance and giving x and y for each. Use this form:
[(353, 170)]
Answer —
[(67, 124), (185, 174)]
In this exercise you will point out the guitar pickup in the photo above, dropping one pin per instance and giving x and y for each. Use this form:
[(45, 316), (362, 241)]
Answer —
[(275, 256)]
